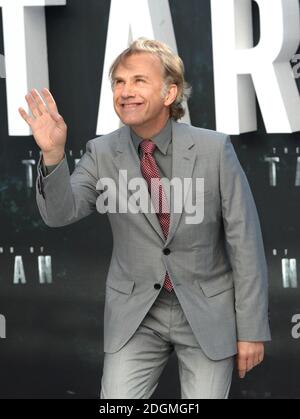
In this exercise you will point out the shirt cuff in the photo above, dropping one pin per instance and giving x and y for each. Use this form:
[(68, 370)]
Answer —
[(46, 170)]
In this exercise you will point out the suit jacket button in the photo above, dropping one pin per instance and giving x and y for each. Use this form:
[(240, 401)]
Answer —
[(167, 252), (157, 286)]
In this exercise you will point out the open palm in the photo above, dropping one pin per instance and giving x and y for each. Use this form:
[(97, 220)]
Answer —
[(48, 127)]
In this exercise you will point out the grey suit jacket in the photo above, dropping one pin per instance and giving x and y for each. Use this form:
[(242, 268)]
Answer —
[(218, 267)]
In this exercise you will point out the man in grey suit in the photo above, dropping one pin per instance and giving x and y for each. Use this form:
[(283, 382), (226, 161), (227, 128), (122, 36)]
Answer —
[(197, 288)]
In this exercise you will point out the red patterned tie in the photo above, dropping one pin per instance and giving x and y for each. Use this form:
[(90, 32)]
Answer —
[(150, 171)]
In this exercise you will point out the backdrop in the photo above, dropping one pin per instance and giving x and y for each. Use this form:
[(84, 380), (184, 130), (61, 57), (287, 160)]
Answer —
[(52, 281)]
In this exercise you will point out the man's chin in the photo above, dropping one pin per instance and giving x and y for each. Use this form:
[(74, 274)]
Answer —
[(131, 122)]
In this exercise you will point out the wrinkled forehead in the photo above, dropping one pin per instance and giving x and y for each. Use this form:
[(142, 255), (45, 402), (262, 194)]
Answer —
[(142, 63)]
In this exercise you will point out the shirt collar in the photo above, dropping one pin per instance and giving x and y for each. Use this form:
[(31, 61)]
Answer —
[(162, 139)]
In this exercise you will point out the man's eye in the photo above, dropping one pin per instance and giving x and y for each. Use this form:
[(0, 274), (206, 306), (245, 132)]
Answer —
[(140, 80)]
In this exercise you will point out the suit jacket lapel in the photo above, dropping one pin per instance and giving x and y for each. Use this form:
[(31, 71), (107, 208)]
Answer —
[(127, 159), (184, 157)]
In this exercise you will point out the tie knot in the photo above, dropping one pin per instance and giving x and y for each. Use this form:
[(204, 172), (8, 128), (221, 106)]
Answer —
[(148, 146)]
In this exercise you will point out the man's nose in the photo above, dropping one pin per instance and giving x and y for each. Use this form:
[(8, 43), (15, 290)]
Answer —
[(128, 90)]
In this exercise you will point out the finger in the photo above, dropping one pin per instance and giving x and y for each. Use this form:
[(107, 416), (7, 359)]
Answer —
[(262, 354), (33, 106), (260, 357), (242, 366), (26, 117), (256, 361), (242, 373), (49, 100), (250, 364), (59, 119), (39, 101)]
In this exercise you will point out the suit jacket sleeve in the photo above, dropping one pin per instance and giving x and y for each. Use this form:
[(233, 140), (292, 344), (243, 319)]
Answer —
[(62, 198), (245, 249)]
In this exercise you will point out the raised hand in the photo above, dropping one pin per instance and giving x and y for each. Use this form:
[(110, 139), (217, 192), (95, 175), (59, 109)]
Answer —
[(48, 127)]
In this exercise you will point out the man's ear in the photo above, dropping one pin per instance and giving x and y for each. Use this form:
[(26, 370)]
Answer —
[(171, 95)]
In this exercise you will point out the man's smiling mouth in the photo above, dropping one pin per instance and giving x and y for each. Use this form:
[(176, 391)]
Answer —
[(130, 105)]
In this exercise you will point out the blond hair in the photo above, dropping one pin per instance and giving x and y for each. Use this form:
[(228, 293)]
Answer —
[(173, 69)]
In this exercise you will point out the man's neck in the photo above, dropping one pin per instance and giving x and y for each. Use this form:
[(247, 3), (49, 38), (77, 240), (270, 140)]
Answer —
[(147, 133)]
